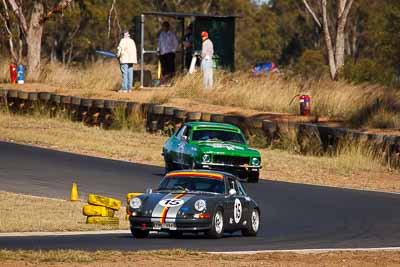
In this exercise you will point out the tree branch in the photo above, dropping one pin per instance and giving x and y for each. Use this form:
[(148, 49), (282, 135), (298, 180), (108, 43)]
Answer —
[(17, 9), (6, 20), (59, 8), (346, 10), (309, 9)]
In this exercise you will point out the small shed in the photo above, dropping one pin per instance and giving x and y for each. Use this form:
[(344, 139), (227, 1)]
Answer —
[(221, 31)]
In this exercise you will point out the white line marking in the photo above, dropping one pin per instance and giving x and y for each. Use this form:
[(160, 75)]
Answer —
[(310, 251), (27, 234)]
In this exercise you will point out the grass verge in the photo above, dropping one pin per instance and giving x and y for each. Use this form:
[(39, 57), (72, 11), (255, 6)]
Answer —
[(46, 214), (352, 168), (191, 258)]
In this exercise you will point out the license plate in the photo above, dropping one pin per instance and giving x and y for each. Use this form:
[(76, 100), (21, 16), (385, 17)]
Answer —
[(159, 226)]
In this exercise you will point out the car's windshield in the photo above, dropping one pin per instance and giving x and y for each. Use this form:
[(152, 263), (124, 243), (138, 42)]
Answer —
[(217, 135), (189, 183)]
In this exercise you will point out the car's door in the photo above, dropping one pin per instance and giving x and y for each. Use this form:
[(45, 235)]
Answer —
[(233, 212), (174, 146), (245, 200), (183, 147)]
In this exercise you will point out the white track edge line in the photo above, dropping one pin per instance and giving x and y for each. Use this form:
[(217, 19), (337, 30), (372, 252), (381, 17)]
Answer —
[(311, 251), (29, 234)]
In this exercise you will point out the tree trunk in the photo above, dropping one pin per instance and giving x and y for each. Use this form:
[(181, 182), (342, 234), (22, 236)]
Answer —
[(34, 41), (328, 41)]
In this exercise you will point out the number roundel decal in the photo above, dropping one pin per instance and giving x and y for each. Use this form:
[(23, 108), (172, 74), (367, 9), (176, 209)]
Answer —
[(171, 202), (237, 212)]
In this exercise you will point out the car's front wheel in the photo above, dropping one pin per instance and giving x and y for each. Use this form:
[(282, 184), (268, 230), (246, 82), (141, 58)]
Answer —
[(254, 224), (217, 225), (137, 233)]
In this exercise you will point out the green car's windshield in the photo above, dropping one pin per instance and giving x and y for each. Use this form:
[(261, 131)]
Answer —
[(217, 135), (192, 184)]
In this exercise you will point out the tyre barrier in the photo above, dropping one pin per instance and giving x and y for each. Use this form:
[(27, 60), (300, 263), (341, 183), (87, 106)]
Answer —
[(102, 220), (205, 116), (101, 210), (193, 116), (91, 210), (107, 202), (168, 119)]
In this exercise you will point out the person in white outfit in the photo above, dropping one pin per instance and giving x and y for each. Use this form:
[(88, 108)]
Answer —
[(127, 57), (207, 53), (166, 48)]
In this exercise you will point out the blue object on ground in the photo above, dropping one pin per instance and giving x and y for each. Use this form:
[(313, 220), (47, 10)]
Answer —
[(106, 53), (20, 74), (264, 67)]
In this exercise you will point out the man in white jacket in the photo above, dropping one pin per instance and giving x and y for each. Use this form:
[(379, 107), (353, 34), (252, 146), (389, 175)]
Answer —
[(207, 53), (127, 57)]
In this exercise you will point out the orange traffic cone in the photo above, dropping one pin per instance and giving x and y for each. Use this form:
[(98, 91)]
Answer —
[(74, 192)]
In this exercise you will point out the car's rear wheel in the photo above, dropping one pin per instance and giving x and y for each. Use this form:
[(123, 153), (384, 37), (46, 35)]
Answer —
[(137, 233), (217, 225), (253, 177), (254, 224)]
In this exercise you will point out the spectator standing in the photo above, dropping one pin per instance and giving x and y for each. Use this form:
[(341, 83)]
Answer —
[(167, 46), (207, 53), (127, 57)]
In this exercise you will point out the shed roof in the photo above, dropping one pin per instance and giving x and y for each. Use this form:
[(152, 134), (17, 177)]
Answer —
[(185, 15)]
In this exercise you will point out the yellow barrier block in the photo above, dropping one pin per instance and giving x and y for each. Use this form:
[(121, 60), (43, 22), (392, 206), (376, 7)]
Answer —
[(111, 203), (129, 196), (102, 220), (90, 210)]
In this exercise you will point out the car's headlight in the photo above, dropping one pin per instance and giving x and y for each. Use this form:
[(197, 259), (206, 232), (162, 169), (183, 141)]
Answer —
[(135, 203), (255, 161), (200, 205), (206, 158)]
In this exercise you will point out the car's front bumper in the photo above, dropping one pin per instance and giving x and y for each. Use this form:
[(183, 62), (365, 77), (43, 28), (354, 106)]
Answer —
[(180, 224), (241, 170)]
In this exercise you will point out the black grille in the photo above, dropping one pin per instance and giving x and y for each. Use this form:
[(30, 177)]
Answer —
[(231, 160)]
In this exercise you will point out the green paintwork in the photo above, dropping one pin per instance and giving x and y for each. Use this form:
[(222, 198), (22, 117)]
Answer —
[(186, 153)]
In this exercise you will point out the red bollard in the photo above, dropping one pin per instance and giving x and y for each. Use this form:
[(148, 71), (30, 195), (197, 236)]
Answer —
[(305, 105), (13, 73)]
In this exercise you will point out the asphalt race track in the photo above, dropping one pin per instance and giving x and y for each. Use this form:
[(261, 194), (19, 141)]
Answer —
[(294, 216)]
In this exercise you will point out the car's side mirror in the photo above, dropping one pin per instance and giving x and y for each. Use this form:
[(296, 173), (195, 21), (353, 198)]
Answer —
[(149, 191), (184, 138), (232, 192)]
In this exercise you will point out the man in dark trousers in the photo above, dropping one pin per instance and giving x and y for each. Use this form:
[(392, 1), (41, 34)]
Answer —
[(167, 46)]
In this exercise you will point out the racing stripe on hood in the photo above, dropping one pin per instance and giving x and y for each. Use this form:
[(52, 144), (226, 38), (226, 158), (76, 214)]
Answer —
[(166, 209), (173, 211), (156, 214)]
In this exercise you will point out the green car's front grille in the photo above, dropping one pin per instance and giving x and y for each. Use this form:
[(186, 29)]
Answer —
[(231, 160)]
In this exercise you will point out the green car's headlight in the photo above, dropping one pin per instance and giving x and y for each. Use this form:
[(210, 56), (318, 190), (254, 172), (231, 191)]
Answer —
[(206, 158), (135, 203), (200, 205), (255, 161)]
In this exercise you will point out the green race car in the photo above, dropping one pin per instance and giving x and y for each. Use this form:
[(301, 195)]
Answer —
[(216, 146)]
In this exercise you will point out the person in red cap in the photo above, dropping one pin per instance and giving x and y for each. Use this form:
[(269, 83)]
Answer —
[(207, 53)]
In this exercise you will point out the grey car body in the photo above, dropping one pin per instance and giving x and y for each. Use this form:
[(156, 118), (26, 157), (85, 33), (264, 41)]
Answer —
[(177, 206)]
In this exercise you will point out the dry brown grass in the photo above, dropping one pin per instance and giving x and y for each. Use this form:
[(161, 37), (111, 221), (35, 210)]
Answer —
[(46, 214), (242, 91), (352, 168), (192, 258)]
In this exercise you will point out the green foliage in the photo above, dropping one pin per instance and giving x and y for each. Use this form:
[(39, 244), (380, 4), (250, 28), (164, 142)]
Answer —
[(311, 65), (368, 70), (281, 31)]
